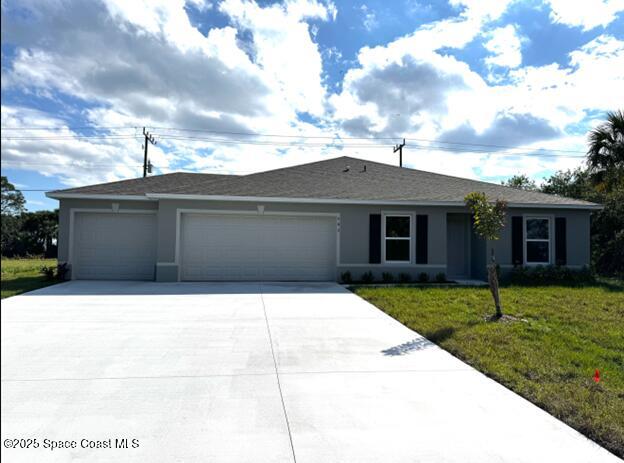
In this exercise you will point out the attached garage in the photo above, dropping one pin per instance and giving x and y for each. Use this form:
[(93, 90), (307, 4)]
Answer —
[(257, 247), (114, 246)]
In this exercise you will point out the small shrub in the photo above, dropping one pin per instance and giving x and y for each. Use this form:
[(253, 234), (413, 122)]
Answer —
[(61, 271), (387, 277), (345, 277), (48, 272), (440, 277), (404, 277), (550, 274), (367, 277), (423, 277)]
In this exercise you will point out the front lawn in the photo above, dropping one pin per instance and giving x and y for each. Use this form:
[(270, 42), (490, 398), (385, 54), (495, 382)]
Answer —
[(549, 355), (21, 275)]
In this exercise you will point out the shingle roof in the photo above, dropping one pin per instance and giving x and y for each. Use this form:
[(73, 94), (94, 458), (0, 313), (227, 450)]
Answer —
[(342, 178), (140, 186)]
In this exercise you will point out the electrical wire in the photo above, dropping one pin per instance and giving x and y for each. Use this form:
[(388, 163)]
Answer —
[(73, 137), (355, 145), (292, 136), (86, 127)]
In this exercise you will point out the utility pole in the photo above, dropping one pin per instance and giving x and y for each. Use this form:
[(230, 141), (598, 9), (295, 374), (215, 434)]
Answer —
[(147, 165), (399, 148)]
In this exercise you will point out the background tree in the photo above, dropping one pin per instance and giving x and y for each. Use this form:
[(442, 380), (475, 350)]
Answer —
[(605, 156), (601, 180), (10, 231), (12, 206), (12, 199), (489, 220), (570, 183), (26, 233), (38, 233), (521, 182)]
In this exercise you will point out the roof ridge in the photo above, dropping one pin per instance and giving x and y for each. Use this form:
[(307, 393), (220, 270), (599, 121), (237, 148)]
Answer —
[(464, 179), (296, 165)]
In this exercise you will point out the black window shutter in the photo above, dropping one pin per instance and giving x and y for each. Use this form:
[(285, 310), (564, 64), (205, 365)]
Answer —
[(422, 236), (374, 239), (517, 245), (561, 257)]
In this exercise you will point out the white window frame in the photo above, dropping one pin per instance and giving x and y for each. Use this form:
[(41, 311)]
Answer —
[(550, 239), (409, 238)]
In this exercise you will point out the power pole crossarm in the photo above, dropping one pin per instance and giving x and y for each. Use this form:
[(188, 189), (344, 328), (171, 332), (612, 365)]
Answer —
[(399, 148), (149, 138)]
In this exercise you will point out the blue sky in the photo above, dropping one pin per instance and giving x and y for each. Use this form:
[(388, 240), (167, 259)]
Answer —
[(480, 89)]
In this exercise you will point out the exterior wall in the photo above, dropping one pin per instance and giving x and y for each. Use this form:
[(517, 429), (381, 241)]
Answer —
[(578, 236), (353, 237), (67, 205), (354, 231)]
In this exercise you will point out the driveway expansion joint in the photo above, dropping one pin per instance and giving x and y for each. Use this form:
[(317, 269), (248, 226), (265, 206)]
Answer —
[(279, 385)]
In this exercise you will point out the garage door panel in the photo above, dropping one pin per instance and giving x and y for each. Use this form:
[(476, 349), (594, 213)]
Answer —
[(114, 246), (233, 247)]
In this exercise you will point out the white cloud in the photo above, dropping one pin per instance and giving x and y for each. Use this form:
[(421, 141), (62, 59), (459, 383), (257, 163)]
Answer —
[(369, 20), (483, 10), (144, 63), (505, 45), (595, 81), (409, 89), (586, 14), (284, 47), (406, 88)]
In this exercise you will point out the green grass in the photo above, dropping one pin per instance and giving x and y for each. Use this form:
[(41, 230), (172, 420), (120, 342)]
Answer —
[(547, 356), (21, 275)]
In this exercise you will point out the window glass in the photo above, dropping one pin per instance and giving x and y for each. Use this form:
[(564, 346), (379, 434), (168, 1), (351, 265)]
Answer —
[(537, 229), (537, 252), (398, 250), (398, 227)]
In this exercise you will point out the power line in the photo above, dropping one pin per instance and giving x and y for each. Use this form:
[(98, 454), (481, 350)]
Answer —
[(86, 127), (294, 136), (257, 134), (72, 137), (337, 137), (354, 145)]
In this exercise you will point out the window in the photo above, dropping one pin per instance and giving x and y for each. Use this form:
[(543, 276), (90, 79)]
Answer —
[(397, 238), (537, 240)]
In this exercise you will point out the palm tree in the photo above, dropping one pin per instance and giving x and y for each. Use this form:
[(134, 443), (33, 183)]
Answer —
[(605, 156)]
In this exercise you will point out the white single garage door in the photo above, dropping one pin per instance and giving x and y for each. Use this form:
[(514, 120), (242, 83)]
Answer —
[(114, 246), (260, 247)]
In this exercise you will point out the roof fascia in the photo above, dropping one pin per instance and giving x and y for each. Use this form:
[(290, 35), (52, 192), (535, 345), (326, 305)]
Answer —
[(269, 199)]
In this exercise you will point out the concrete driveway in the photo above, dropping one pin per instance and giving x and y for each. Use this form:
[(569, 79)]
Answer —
[(250, 373)]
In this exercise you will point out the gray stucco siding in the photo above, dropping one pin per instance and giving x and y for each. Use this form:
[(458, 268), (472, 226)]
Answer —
[(578, 235), (353, 235), (354, 224)]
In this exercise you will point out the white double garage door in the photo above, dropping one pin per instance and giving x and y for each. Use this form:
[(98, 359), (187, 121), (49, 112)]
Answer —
[(212, 247)]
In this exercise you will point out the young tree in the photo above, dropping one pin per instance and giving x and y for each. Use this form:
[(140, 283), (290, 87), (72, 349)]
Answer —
[(489, 220)]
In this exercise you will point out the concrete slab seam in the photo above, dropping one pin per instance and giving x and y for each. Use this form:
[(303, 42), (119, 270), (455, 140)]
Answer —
[(279, 386)]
